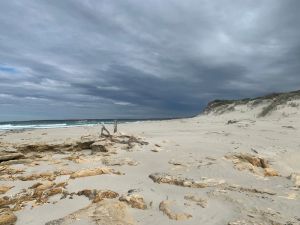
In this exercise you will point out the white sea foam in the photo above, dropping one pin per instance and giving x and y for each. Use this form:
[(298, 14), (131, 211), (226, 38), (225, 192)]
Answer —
[(33, 126)]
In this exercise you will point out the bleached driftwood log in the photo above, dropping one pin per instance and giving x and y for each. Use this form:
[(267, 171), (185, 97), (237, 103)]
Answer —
[(115, 126), (103, 129)]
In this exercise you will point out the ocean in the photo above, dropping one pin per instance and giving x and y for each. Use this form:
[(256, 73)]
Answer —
[(39, 124)]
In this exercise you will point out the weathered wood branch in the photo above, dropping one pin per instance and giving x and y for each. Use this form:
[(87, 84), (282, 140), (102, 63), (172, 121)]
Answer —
[(115, 126), (103, 129)]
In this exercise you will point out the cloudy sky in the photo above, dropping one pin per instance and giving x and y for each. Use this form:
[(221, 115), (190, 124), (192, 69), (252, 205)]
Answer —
[(132, 58)]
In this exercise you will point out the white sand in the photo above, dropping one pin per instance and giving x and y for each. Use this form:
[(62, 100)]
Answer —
[(197, 146)]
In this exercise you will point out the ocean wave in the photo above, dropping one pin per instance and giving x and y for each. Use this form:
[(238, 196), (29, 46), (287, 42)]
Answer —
[(31, 126)]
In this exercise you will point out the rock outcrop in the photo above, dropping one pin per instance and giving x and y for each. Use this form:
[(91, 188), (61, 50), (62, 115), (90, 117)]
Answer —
[(106, 212), (253, 163)]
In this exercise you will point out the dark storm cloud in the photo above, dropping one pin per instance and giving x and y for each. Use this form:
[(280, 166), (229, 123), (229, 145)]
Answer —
[(131, 58)]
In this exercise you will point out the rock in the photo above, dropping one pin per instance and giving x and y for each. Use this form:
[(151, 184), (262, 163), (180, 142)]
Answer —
[(42, 186), (93, 172), (7, 217), (53, 191), (199, 201), (51, 175), (99, 147), (11, 156), (248, 190), (106, 212), (252, 159), (295, 178), (270, 172), (119, 162), (165, 207), (185, 182), (109, 212), (98, 195), (56, 222), (134, 200), (44, 147), (4, 189), (4, 201), (107, 194), (253, 163), (8, 149), (38, 194), (90, 194)]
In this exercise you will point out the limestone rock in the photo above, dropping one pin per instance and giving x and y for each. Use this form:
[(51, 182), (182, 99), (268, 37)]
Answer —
[(199, 201), (119, 162), (270, 172), (7, 217), (166, 208), (295, 177), (134, 200), (8, 149), (97, 196), (106, 212), (50, 175), (185, 182), (253, 163), (93, 172), (256, 161), (10, 156), (42, 186), (107, 194), (4, 189)]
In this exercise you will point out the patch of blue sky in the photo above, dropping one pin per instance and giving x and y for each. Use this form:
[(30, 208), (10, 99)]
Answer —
[(8, 69)]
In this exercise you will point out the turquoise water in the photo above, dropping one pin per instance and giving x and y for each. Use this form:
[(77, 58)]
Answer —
[(36, 124)]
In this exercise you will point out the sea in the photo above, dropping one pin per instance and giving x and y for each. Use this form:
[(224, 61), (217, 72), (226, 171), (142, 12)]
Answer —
[(44, 124)]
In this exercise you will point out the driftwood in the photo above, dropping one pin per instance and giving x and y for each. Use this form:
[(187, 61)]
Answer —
[(103, 129), (115, 126), (129, 140)]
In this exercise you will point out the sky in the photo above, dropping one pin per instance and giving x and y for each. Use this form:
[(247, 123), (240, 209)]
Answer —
[(142, 59)]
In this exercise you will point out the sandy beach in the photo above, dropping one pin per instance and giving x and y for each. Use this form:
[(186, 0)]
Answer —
[(216, 168), (150, 112)]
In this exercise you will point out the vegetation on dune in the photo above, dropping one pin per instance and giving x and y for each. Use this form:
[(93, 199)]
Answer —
[(274, 100)]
